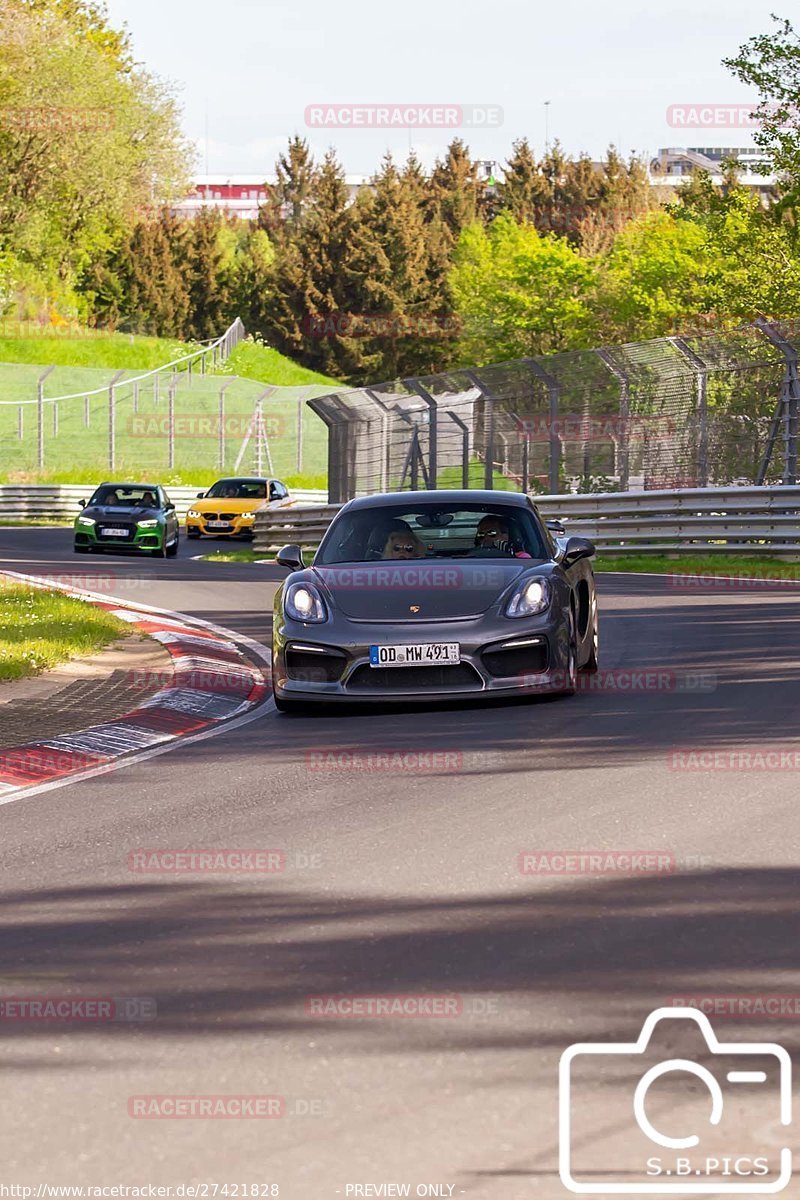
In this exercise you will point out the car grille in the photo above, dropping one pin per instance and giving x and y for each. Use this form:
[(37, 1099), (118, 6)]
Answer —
[(314, 668), (516, 660), (209, 516), (130, 530), (366, 679)]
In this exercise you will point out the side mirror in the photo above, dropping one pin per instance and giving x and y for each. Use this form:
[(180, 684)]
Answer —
[(576, 549), (170, 507), (556, 526), (200, 495), (291, 557), (83, 503)]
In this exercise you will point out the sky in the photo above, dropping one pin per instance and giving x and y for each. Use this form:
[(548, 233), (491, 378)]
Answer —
[(589, 74)]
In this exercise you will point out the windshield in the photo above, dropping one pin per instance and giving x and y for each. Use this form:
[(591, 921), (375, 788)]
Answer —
[(120, 496), (408, 531), (238, 489)]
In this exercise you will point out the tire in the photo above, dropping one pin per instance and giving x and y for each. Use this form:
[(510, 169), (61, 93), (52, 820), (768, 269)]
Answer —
[(172, 550), (592, 664), (571, 674), (161, 552), (81, 549), (193, 533)]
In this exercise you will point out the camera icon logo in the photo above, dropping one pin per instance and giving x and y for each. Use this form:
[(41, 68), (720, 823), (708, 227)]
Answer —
[(717, 1154)]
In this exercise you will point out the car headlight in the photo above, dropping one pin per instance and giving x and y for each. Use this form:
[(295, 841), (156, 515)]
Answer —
[(530, 598), (86, 521), (302, 602), (193, 513), (147, 524), (247, 516)]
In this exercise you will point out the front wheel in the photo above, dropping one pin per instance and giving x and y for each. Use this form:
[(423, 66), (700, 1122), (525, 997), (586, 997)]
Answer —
[(193, 533), (571, 670), (161, 552), (81, 549), (173, 549), (592, 664)]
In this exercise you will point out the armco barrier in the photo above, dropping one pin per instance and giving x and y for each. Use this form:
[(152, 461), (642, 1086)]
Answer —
[(55, 502), (752, 520)]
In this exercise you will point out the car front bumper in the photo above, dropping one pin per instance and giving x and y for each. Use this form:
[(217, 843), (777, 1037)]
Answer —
[(142, 540), (237, 528), (311, 665)]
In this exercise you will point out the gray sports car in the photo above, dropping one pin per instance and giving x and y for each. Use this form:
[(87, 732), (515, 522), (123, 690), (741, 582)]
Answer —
[(434, 596)]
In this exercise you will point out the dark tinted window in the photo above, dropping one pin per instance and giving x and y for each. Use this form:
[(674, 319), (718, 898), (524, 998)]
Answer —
[(433, 531), (117, 495)]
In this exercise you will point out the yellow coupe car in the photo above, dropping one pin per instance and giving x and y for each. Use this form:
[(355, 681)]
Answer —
[(228, 509)]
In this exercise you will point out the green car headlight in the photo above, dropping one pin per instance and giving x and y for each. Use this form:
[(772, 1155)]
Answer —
[(86, 521), (147, 524)]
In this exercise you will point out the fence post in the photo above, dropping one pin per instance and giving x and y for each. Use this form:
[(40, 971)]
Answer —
[(299, 457), (787, 407), (414, 385), (553, 393), (40, 416), (171, 425), (112, 422), (136, 397), (55, 418), (701, 373), (462, 425), (20, 422), (86, 412), (221, 419), (625, 416)]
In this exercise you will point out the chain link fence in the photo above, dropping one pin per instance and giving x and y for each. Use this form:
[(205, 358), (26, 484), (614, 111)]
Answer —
[(181, 421), (674, 412)]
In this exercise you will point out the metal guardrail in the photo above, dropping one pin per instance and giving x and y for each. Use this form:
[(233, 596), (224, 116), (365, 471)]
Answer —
[(752, 520), (53, 502)]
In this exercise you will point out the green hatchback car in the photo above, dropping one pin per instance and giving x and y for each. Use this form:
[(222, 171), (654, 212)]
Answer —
[(138, 517)]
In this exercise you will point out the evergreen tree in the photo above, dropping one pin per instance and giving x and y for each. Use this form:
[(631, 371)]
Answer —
[(209, 277), (286, 200), (522, 190)]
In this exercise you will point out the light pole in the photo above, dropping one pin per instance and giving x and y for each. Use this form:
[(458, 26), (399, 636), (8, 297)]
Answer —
[(546, 125)]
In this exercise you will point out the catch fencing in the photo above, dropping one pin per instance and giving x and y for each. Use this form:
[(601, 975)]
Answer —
[(674, 412), (179, 420), (745, 520)]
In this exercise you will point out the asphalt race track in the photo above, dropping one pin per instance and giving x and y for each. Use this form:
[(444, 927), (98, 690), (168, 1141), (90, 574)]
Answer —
[(400, 882)]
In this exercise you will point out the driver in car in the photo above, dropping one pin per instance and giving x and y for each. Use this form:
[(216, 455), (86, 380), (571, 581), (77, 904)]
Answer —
[(403, 543), (493, 533)]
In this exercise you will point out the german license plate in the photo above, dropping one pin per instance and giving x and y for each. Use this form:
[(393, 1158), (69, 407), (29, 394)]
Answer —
[(218, 524), (416, 654), (114, 532)]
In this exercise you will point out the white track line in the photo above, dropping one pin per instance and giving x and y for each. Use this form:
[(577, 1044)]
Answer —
[(261, 652)]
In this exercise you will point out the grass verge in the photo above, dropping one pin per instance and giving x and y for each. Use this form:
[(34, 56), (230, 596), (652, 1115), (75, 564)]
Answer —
[(700, 564), (39, 629), (243, 555)]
